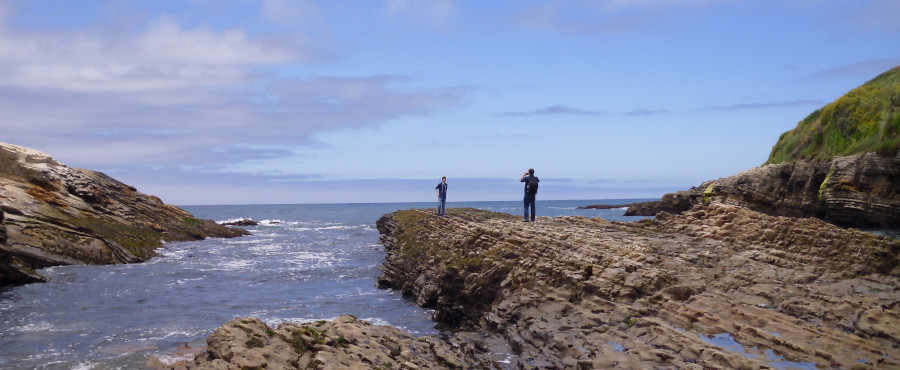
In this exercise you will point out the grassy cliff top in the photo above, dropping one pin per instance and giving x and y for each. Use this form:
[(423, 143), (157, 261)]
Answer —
[(866, 119)]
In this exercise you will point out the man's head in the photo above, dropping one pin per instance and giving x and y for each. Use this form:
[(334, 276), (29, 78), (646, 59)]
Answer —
[(444, 179), (531, 171)]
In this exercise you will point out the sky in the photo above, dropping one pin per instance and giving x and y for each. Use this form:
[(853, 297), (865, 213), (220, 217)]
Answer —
[(282, 101)]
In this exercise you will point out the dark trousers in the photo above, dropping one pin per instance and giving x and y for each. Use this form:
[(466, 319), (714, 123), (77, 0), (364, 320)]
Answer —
[(529, 201), (442, 202)]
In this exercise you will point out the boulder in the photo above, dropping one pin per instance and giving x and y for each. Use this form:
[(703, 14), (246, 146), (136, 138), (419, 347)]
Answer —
[(60, 215), (241, 223), (343, 343)]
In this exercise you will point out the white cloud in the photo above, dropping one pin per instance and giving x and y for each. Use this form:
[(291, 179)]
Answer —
[(164, 56), (170, 95)]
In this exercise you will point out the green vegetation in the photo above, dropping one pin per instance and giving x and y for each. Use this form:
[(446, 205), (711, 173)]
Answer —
[(825, 184), (708, 193), (631, 321), (865, 119)]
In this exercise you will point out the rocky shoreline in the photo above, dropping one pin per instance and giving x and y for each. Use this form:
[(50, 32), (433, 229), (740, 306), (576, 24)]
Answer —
[(572, 292), (55, 215), (718, 286), (860, 190)]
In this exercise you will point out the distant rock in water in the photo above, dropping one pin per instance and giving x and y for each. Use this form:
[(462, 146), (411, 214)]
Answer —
[(59, 215), (605, 206), (241, 223), (861, 190)]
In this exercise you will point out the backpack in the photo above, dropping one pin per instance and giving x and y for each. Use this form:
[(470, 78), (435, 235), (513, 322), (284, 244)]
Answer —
[(531, 185)]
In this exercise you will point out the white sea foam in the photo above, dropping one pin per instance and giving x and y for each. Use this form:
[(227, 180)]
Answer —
[(246, 241), (35, 327), (266, 248), (170, 360), (233, 220), (233, 265), (85, 365)]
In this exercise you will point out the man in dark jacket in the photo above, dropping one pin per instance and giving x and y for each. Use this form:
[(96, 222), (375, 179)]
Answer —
[(531, 186), (441, 190)]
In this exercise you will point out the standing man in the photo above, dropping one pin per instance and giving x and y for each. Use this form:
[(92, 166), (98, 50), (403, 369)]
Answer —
[(531, 187), (441, 190)]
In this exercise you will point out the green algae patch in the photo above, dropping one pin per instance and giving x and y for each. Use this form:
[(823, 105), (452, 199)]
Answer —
[(825, 184), (140, 241), (707, 193)]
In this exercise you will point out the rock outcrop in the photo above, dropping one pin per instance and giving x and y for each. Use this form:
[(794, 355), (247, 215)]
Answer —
[(60, 215), (862, 190), (718, 286), (343, 343)]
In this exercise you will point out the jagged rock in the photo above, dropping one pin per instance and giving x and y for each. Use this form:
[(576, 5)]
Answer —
[(573, 292), (60, 215), (343, 343), (862, 190)]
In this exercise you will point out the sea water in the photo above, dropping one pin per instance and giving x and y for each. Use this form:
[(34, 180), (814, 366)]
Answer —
[(302, 263)]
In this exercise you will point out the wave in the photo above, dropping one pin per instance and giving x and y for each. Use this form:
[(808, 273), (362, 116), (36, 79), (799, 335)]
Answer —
[(40, 326)]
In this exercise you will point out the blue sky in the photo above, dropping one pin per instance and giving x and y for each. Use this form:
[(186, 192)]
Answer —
[(277, 101)]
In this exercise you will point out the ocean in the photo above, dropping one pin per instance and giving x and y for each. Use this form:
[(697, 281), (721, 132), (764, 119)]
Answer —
[(303, 263)]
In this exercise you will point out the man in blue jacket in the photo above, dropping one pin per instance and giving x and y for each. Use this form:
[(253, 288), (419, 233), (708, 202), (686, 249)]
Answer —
[(441, 190), (531, 187)]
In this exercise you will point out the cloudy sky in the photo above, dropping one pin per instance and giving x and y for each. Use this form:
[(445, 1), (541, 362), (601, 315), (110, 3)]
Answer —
[(282, 101)]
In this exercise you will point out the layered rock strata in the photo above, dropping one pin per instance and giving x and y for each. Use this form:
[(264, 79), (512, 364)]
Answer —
[(862, 190), (60, 215), (342, 343), (717, 286)]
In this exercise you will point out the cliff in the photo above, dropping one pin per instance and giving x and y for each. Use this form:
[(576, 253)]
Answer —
[(718, 286), (866, 119), (861, 190), (840, 164), (54, 215)]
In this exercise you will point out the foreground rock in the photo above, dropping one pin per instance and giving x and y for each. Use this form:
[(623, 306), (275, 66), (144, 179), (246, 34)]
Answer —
[(862, 190), (718, 286), (343, 343), (58, 215)]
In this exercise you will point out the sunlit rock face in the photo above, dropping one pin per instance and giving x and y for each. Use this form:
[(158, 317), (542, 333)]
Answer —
[(60, 215), (861, 190)]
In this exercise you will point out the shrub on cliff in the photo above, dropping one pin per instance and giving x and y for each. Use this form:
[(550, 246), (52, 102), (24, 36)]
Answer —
[(866, 119)]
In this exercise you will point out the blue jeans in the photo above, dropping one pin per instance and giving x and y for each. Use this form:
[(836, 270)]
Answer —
[(529, 201), (441, 203)]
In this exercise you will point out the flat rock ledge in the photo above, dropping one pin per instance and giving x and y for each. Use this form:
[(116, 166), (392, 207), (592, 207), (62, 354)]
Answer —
[(718, 286), (343, 343)]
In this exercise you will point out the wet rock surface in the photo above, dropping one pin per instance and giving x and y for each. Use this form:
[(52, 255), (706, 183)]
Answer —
[(861, 191), (59, 215), (718, 286)]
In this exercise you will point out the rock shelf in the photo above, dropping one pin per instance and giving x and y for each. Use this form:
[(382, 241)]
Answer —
[(718, 286)]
